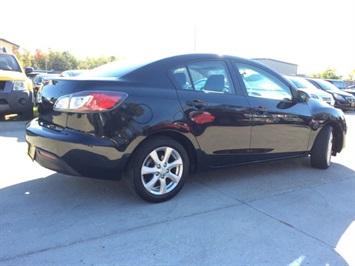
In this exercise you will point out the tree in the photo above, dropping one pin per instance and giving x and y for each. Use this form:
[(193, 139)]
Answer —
[(352, 75), (90, 62), (40, 59), (60, 61), (72, 62), (329, 73), (25, 58)]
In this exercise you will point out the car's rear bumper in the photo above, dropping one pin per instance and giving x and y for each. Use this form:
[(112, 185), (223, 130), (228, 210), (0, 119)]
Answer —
[(74, 153)]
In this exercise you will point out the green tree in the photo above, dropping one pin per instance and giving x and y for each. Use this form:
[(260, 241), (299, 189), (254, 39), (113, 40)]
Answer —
[(329, 73), (72, 62), (90, 62), (25, 58), (40, 59), (59, 61), (352, 75)]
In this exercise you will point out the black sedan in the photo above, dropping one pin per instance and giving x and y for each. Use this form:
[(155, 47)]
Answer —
[(343, 100), (148, 124), (350, 89)]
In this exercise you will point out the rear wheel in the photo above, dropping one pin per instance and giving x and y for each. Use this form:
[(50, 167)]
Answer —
[(158, 169), (322, 149)]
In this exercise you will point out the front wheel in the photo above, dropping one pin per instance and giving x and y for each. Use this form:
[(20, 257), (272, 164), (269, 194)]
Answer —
[(322, 149), (158, 169)]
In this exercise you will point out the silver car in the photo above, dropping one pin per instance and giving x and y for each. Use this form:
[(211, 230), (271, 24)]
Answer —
[(311, 90)]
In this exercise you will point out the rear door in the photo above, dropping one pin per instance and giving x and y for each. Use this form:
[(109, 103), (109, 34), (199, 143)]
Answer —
[(280, 124), (217, 113)]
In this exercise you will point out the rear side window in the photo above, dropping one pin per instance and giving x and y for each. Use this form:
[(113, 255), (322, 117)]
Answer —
[(260, 83), (206, 77)]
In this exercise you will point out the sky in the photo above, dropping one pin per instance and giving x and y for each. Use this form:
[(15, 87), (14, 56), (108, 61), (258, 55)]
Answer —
[(314, 34)]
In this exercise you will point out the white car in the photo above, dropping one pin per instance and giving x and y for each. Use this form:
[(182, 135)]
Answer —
[(311, 90)]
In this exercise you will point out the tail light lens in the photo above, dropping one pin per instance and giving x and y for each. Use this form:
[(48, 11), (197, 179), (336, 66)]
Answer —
[(89, 101)]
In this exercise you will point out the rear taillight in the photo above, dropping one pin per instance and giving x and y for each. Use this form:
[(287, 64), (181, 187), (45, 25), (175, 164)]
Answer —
[(89, 101)]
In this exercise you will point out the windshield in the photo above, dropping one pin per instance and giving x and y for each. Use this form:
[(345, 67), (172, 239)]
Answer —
[(301, 83), (9, 62), (328, 86), (338, 83)]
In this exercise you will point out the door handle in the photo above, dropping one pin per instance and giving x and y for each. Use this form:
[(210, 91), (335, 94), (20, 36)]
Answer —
[(261, 109), (196, 103)]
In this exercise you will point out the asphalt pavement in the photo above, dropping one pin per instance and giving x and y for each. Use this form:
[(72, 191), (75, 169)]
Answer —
[(281, 213)]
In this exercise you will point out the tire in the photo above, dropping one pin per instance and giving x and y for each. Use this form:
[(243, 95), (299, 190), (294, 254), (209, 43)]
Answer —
[(153, 177), (322, 149), (27, 115)]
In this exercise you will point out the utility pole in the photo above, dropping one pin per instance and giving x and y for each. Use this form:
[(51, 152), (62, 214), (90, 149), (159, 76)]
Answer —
[(195, 37)]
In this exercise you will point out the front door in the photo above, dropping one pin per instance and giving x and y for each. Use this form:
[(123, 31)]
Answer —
[(280, 125)]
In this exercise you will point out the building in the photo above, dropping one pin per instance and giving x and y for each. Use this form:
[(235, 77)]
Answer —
[(10, 46), (284, 68)]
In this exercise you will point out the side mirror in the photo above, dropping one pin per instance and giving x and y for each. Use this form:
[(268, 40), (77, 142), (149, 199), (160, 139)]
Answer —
[(302, 96), (29, 70)]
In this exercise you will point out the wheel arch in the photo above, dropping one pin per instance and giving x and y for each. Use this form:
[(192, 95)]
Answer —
[(182, 139), (338, 137)]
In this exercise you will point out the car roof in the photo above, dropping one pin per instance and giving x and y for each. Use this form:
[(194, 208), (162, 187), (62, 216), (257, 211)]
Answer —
[(137, 71), (335, 80)]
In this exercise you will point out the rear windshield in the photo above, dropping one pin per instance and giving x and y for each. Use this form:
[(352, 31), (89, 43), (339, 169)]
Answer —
[(115, 69)]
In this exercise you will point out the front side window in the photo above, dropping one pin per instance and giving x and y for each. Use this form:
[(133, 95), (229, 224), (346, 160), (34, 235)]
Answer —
[(206, 77), (260, 83)]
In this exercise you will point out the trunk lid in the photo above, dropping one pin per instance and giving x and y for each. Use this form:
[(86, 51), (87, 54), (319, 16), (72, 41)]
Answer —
[(97, 122)]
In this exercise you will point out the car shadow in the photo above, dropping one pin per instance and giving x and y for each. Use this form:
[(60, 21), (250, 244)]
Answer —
[(12, 129), (65, 210)]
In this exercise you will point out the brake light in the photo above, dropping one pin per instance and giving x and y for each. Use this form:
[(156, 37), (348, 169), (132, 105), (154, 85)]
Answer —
[(89, 101)]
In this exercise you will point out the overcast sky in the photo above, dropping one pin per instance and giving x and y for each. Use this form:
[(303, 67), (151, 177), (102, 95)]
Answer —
[(314, 34)]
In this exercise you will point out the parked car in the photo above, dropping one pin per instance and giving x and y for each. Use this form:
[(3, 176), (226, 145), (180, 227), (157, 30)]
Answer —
[(31, 75), (311, 90), (350, 89), (340, 84), (146, 123), (38, 81), (16, 90), (343, 100)]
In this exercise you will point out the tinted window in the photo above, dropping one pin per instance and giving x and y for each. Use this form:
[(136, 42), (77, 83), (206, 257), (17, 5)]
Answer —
[(206, 76), (338, 83), (182, 78), (260, 83), (301, 82), (327, 85)]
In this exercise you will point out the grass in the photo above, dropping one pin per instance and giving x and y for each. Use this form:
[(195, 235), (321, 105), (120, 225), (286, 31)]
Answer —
[(35, 111)]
